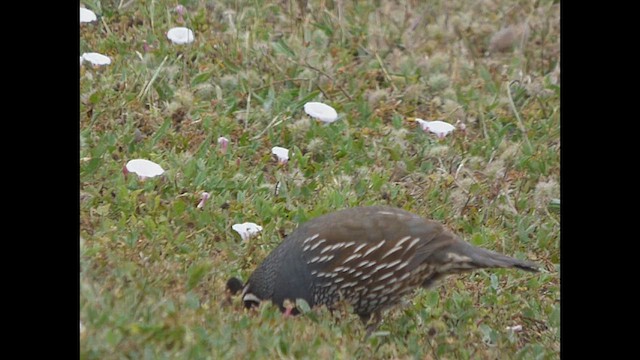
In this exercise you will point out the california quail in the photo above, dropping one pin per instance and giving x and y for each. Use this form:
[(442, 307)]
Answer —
[(368, 256)]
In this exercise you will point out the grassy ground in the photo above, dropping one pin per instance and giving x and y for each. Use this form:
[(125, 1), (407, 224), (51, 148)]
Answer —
[(154, 266)]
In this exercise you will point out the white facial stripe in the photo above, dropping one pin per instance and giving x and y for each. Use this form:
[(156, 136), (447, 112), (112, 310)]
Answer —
[(251, 297), (244, 290)]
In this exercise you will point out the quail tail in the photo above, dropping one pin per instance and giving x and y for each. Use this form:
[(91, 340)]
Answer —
[(476, 258)]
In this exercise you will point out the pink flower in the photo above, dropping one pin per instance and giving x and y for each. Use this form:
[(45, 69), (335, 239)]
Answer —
[(223, 142), (203, 199), (180, 10)]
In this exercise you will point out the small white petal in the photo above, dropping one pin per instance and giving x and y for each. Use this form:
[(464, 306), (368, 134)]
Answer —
[(180, 35), (437, 127), (96, 59), (144, 168), (247, 230), (87, 15), (515, 328), (320, 111), (281, 153)]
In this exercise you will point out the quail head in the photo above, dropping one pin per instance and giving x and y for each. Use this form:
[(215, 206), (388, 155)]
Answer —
[(368, 256)]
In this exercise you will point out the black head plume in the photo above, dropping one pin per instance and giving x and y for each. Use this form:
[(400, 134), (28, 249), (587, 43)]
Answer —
[(234, 285)]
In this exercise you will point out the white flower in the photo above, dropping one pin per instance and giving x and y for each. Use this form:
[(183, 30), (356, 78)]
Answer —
[(96, 59), (281, 153), (203, 199), (515, 328), (180, 35), (87, 15), (247, 230), (144, 168), (320, 111), (440, 128)]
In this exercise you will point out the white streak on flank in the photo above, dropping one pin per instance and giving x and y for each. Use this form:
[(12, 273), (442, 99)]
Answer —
[(314, 260), (365, 277), (413, 242), (326, 258), (349, 284), (338, 245), (456, 257), (332, 247), (310, 238), (403, 240), (393, 288), (340, 268), (375, 248), (402, 265), (394, 263), (335, 281), (316, 244), (363, 263), (314, 272), (351, 271), (306, 247), (359, 247), (455, 266), (379, 267), (385, 276), (392, 251), (354, 256), (350, 243), (385, 212), (357, 274), (377, 288), (406, 275)]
